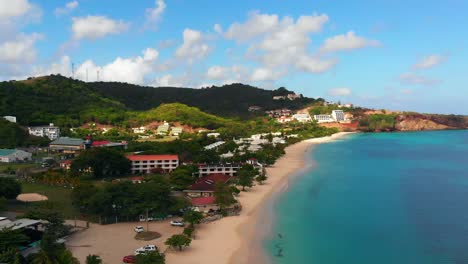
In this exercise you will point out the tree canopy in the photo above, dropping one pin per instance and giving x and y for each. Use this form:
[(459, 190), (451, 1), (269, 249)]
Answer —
[(103, 162), (178, 241), (9, 187)]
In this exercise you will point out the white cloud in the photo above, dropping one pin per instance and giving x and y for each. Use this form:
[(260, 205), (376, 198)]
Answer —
[(194, 46), (217, 73), (348, 41), (218, 29), (62, 67), (93, 27), (415, 79), (153, 15), (264, 74), (343, 91), (67, 9), (150, 54), (255, 25), (19, 50), (315, 65), (168, 80), (429, 61), (16, 8)]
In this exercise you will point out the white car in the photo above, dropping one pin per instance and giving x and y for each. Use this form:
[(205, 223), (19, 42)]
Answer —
[(139, 229), (177, 223), (145, 249)]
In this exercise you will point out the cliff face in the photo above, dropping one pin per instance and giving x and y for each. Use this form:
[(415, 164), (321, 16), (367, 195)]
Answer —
[(419, 124), (416, 122)]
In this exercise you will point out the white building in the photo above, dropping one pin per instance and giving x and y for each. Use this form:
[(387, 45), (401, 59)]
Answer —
[(227, 169), (139, 130), (293, 96), (215, 135), (324, 118), (51, 131), (302, 118), (147, 163), (214, 145), (338, 115), (176, 131), (10, 118), (14, 155), (163, 129)]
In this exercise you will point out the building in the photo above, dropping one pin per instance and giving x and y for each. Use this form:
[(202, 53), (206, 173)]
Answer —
[(324, 118), (148, 163), (284, 119), (279, 97), (303, 118), (214, 134), (31, 229), (139, 130), (255, 108), (65, 164), (338, 115), (229, 169), (294, 96), (176, 131), (51, 131), (67, 145), (279, 113), (214, 145), (14, 155), (163, 129), (108, 144), (205, 186), (10, 118)]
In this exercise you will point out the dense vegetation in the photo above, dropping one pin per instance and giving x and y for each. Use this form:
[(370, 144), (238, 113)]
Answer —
[(12, 136), (9, 188), (101, 162), (378, 122)]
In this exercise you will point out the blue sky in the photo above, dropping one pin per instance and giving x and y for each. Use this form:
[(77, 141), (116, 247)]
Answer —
[(406, 55)]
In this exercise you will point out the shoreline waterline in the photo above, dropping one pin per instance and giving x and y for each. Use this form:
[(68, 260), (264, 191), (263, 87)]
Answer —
[(238, 239)]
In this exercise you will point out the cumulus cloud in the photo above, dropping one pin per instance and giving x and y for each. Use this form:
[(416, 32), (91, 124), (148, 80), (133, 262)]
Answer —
[(93, 27), (217, 73), (67, 8), (315, 65), (429, 61), (415, 79), (348, 41), (264, 74), (16, 8), (153, 15), (19, 50), (343, 91), (194, 46), (218, 29), (255, 25)]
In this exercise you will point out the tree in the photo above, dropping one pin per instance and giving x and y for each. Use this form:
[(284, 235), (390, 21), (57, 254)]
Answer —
[(9, 187), (102, 162), (246, 176), (192, 217), (93, 259), (178, 241), (223, 195), (181, 178), (261, 177), (188, 231), (3, 203), (11, 239), (153, 257), (11, 256)]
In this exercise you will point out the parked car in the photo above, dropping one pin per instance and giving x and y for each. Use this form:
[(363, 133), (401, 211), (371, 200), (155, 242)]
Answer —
[(145, 249), (139, 229), (129, 259), (177, 223)]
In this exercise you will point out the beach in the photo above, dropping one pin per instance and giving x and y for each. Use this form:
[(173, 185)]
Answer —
[(237, 239)]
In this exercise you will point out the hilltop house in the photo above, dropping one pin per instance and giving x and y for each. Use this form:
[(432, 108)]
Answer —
[(338, 115), (10, 118), (14, 155), (139, 130), (303, 118), (148, 163), (51, 131), (324, 118), (163, 129), (176, 131), (214, 145)]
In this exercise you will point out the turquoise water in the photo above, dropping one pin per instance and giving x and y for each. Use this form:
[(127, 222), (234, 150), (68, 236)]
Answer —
[(377, 198)]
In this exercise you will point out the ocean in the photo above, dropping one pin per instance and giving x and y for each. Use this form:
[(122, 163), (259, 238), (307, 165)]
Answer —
[(377, 198)]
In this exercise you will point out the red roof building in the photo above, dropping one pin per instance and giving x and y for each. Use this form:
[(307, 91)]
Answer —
[(205, 186), (203, 201)]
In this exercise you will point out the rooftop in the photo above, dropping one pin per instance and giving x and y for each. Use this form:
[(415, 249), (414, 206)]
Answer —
[(152, 157), (6, 152), (68, 141), (199, 201), (208, 182)]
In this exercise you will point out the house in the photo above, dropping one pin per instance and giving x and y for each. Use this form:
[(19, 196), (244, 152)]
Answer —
[(137, 179), (14, 155), (279, 97), (214, 145), (227, 155), (284, 119), (229, 169), (215, 135), (176, 131), (279, 112), (324, 118), (148, 163), (67, 145), (108, 144), (163, 129), (255, 108), (303, 118), (205, 186), (51, 131), (33, 231), (338, 115), (10, 118), (139, 130), (294, 96)]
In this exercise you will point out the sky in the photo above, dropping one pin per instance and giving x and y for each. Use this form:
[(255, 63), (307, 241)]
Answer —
[(392, 54)]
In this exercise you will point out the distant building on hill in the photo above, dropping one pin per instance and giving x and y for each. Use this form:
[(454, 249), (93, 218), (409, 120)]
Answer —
[(67, 145), (163, 129), (139, 130), (148, 163), (214, 145), (324, 118), (294, 96), (10, 118), (51, 131), (176, 131), (255, 108), (14, 155), (338, 115), (303, 118)]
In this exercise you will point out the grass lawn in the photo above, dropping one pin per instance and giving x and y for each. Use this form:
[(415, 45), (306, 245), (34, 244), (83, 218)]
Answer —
[(58, 195), (14, 166)]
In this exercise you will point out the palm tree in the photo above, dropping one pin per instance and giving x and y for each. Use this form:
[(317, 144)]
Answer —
[(93, 259), (41, 258)]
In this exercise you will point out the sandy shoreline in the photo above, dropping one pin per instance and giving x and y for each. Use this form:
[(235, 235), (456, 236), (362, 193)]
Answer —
[(236, 240)]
